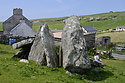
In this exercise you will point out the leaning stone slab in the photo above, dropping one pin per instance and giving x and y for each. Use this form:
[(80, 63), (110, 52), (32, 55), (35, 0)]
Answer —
[(22, 43), (24, 52), (75, 56), (43, 49)]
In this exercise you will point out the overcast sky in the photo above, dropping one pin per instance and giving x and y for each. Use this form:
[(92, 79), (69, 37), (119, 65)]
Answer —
[(36, 9)]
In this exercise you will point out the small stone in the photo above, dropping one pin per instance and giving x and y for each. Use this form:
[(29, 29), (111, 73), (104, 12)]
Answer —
[(69, 73), (24, 61)]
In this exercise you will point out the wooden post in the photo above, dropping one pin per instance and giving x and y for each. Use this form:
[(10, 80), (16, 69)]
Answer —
[(60, 57)]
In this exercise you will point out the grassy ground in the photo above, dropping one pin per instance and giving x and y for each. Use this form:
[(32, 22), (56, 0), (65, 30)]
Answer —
[(52, 25), (1, 26), (116, 37), (12, 71)]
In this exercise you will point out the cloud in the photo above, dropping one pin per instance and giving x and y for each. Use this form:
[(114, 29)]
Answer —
[(59, 1)]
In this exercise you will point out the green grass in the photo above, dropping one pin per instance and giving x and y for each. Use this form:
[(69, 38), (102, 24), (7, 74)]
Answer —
[(52, 25), (1, 26), (49, 19), (12, 71), (116, 37)]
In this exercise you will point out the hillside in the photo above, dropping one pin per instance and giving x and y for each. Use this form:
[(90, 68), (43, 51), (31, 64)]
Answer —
[(102, 21), (106, 20), (1, 29)]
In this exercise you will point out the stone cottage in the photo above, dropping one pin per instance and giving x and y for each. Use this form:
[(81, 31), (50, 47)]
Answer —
[(14, 21)]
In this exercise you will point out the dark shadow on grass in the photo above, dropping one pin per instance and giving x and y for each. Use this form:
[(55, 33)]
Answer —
[(98, 75), (5, 52)]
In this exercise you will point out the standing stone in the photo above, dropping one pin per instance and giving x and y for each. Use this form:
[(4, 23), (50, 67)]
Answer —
[(75, 56), (43, 49)]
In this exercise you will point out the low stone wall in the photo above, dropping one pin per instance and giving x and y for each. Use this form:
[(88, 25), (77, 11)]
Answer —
[(4, 39), (1, 32)]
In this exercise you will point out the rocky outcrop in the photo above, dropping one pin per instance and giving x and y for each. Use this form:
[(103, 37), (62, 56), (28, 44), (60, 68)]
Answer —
[(75, 56), (43, 49)]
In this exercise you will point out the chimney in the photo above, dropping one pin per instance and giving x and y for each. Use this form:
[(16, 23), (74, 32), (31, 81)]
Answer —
[(22, 20), (17, 11)]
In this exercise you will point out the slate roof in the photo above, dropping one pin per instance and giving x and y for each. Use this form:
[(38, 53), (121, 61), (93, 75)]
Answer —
[(22, 29), (89, 28)]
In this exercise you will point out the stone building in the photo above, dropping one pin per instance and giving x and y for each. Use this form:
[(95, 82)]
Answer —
[(120, 28), (104, 40), (14, 20)]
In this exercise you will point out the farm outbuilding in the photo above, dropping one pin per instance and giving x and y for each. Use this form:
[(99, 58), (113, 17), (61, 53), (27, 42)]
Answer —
[(104, 40)]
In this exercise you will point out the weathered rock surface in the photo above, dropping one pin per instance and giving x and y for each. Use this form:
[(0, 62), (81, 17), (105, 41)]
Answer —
[(75, 56), (23, 43), (43, 49)]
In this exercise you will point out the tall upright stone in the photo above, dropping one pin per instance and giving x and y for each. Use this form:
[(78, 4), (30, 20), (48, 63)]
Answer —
[(43, 49), (75, 56)]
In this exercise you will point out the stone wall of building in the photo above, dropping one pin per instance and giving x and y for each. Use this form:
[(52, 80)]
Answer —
[(1, 32), (90, 40), (4, 39)]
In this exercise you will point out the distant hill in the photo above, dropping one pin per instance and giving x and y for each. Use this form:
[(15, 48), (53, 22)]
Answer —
[(101, 21), (105, 20)]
